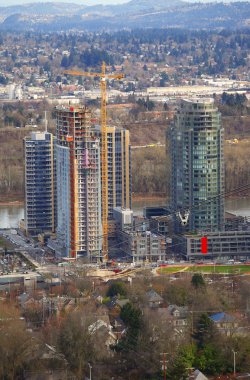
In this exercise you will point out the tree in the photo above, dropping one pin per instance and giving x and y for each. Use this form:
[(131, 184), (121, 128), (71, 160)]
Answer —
[(164, 78), (58, 78), (16, 344), (3, 80), (183, 360), (231, 100), (34, 314), (117, 288), (205, 331), (210, 359), (147, 104), (65, 62), (198, 281), (94, 57), (47, 66), (130, 87), (132, 317), (177, 293), (76, 343), (165, 106)]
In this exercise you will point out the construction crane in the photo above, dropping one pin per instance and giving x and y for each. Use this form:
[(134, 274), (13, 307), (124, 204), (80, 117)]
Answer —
[(104, 145)]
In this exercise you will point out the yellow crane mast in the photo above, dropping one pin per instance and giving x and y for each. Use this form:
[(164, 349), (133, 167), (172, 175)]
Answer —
[(104, 145)]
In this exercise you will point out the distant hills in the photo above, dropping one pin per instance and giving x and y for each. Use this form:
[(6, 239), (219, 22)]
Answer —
[(133, 14)]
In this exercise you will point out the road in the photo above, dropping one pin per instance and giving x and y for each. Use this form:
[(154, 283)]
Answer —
[(30, 249)]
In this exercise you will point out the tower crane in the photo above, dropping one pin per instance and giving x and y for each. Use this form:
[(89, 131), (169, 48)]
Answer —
[(104, 146)]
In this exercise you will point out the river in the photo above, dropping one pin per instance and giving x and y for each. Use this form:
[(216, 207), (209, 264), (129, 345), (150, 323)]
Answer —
[(11, 215)]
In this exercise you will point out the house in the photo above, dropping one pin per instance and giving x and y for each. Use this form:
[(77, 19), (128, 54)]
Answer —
[(122, 302), (103, 335), (101, 313), (23, 298), (97, 297), (197, 375), (225, 323), (119, 327), (50, 365), (154, 299), (179, 315), (117, 303)]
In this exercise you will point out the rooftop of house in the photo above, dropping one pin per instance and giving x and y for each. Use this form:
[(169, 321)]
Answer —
[(222, 317), (116, 301), (198, 375), (183, 310), (122, 302), (97, 325), (153, 296)]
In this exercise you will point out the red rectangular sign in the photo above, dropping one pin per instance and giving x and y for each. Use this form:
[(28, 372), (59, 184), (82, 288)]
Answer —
[(204, 245)]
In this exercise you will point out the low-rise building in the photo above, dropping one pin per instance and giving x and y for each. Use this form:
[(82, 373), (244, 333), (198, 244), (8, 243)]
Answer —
[(225, 244), (123, 217), (143, 246), (161, 224)]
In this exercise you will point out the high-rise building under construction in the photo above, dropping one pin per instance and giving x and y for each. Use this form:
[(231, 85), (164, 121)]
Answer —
[(79, 227), (119, 168)]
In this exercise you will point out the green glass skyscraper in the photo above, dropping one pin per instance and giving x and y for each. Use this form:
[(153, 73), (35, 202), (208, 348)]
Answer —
[(197, 180)]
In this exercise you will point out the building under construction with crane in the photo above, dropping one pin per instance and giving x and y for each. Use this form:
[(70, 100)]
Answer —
[(104, 192), (79, 227)]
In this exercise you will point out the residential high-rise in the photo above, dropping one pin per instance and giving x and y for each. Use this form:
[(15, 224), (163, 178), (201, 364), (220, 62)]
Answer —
[(119, 168), (78, 183), (197, 186), (40, 192)]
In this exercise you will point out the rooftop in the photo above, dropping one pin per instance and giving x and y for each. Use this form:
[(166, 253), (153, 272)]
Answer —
[(222, 317)]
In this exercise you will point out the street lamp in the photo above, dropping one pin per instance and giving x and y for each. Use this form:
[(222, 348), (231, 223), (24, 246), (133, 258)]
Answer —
[(90, 368), (234, 353)]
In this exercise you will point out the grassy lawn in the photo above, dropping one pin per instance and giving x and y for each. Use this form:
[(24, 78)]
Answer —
[(222, 269), (169, 270)]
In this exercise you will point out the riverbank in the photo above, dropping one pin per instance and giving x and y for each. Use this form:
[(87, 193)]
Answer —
[(141, 197), (13, 199), (11, 203), (18, 199)]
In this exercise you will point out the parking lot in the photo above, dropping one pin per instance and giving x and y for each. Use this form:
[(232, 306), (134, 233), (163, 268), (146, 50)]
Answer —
[(14, 263)]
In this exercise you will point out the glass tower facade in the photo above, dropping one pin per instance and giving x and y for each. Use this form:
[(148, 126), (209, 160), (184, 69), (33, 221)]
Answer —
[(40, 184), (197, 181)]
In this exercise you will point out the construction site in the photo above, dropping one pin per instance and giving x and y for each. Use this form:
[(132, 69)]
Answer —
[(78, 183)]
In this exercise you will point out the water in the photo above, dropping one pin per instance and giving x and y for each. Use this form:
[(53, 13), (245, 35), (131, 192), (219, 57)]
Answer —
[(238, 206), (11, 215)]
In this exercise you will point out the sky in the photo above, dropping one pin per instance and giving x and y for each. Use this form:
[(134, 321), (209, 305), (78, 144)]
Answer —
[(90, 2), (83, 2)]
